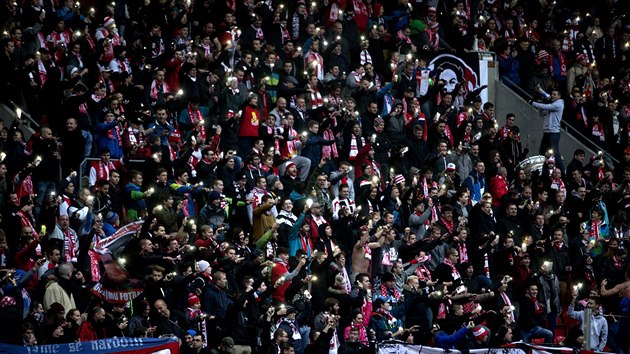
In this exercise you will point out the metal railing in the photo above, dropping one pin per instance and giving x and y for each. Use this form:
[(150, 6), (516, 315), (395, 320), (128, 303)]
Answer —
[(568, 129), (24, 117)]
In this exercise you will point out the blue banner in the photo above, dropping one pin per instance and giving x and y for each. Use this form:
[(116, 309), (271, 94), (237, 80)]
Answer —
[(103, 346)]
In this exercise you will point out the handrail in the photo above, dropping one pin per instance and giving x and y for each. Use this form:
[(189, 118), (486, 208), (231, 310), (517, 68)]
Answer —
[(82, 167), (522, 93), (585, 140), (30, 122), (564, 125)]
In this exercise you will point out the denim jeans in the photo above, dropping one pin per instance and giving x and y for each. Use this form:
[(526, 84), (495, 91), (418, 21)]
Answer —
[(537, 332)]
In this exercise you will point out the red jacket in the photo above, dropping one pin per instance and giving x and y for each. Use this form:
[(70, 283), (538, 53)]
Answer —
[(250, 121), (498, 188), (279, 270), (87, 332)]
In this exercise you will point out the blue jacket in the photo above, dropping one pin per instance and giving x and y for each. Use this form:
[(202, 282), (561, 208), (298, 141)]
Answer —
[(158, 130), (313, 147), (215, 301), (134, 198), (294, 238), (103, 140), (475, 183), (450, 341)]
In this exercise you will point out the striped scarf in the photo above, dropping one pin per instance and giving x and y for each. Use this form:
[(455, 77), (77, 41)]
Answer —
[(103, 169), (562, 63), (42, 73), (329, 151), (454, 271), (365, 57), (314, 63), (394, 296), (155, 89), (423, 273), (196, 117), (354, 148), (316, 98)]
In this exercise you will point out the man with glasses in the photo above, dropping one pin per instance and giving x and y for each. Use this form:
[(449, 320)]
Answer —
[(280, 338)]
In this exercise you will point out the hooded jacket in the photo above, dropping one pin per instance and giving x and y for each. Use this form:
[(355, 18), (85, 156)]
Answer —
[(598, 330)]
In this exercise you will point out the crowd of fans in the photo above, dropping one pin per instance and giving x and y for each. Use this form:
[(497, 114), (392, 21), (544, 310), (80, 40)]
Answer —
[(304, 183)]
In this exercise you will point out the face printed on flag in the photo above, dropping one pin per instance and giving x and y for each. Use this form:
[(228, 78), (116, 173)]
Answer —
[(454, 70)]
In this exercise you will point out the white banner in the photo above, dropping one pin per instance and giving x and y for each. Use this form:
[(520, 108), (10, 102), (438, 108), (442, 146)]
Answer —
[(483, 78), (396, 347), (404, 348)]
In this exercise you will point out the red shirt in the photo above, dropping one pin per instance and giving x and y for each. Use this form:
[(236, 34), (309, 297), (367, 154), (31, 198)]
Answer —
[(279, 270), (250, 122)]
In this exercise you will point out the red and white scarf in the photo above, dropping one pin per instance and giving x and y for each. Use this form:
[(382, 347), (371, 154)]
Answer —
[(314, 62), (562, 62), (154, 89), (102, 170), (450, 225), (454, 271), (595, 230), (423, 273), (95, 270), (463, 252), (316, 98), (56, 37), (386, 293), (538, 308), (289, 148), (597, 131), (42, 73), (196, 117), (114, 134), (365, 57), (329, 151), (70, 246), (354, 148)]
